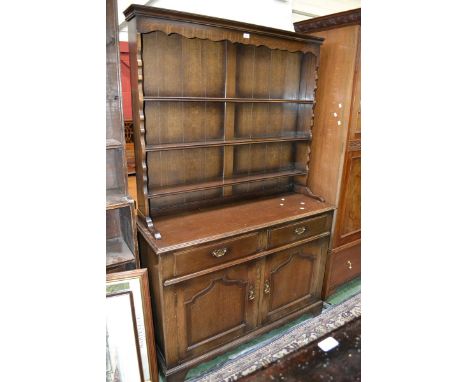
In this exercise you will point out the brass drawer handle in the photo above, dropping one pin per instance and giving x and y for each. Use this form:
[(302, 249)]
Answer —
[(220, 252), (300, 230), (267, 287), (251, 293), (350, 266)]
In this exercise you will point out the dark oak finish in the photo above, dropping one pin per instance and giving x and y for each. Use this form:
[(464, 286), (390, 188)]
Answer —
[(300, 230), (121, 242), (225, 299), (336, 147), (223, 251), (215, 309), (292, 279), (222, 110), (222, 114)]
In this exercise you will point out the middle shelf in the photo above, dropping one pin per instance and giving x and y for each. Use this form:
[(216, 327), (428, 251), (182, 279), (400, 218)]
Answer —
[(225, 142)]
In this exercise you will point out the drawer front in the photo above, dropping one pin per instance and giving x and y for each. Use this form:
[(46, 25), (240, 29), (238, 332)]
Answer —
[(215, 254), (298, 231), (344, 266)]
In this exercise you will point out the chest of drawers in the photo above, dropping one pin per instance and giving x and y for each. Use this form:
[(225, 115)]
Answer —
[(210, 294)]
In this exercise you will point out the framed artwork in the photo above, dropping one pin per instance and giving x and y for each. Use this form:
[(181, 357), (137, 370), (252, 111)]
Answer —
[(123, 360), (135, 283)]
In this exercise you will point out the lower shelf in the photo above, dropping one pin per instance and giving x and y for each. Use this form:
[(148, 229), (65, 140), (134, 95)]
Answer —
[(172, 190), (117, 252)]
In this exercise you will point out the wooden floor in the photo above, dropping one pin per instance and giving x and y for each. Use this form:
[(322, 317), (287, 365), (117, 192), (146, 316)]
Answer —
[(310, 363), (132, 187)]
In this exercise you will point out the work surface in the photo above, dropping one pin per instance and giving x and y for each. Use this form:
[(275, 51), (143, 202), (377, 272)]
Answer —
[(198, 227)]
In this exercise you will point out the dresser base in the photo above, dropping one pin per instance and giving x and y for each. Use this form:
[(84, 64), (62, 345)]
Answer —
[(178, 373)]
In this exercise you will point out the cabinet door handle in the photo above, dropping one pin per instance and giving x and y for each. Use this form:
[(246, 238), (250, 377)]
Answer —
[(220, 252), (300, 230), (251, 293), (267, 287), (350, 266)]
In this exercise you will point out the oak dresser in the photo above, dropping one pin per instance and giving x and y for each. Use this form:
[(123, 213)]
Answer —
[(234, 241)]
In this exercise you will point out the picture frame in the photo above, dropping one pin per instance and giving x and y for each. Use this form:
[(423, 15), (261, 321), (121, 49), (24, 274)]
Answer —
[(123, 358), (136, 282)]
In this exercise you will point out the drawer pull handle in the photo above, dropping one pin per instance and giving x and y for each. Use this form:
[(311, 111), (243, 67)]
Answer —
[(251, 293), (220, 252), (350, 266), (300, 230), (267, 287)]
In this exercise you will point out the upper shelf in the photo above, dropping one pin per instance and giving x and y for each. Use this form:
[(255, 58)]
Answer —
[(227, 99)]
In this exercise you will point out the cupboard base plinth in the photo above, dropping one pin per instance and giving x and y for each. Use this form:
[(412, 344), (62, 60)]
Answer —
[(179, 372)]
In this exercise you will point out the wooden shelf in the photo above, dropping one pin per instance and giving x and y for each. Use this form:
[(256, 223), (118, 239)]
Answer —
[(228, 142), (116, 197), (118, 252), (224, 182), (223, 99), (203, 226)]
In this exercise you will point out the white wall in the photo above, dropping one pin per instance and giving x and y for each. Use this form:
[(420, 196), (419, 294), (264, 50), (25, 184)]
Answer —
[(271, 13), (306, 9)]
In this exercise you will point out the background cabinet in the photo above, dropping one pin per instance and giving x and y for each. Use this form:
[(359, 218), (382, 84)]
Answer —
[(336, 147), (121, 244)]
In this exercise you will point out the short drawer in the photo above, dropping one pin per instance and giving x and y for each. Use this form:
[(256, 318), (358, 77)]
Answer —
[(344, 265), (211, 255), (298, 231)]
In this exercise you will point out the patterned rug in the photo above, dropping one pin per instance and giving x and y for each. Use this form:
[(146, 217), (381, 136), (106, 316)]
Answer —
[(285, 343)]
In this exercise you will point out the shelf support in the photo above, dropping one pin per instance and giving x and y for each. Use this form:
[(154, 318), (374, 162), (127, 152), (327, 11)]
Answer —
[(229, 111), (150, 225), (306, 191)]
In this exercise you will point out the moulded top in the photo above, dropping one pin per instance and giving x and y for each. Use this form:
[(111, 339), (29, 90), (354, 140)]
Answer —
[(142, 10), (184, 230), (335, 20)]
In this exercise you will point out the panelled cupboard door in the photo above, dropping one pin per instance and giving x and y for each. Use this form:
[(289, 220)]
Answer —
[(215, 309), (292, 279), (348, 227)]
